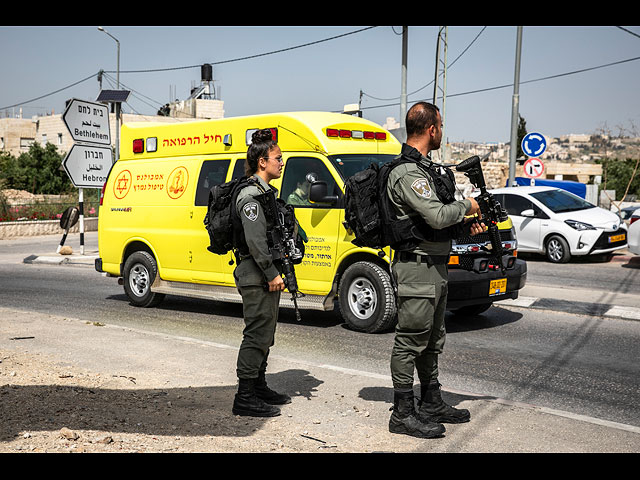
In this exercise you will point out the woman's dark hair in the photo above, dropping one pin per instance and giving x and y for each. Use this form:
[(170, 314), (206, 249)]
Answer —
[(261, 144)]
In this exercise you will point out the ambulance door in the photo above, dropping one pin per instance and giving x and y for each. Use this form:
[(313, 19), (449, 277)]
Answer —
[(320, 221), (206, 266)]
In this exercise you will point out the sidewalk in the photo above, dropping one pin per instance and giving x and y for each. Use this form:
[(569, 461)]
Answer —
[(119, 389)]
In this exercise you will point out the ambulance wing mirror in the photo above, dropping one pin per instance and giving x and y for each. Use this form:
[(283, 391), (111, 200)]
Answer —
[(318, 193)]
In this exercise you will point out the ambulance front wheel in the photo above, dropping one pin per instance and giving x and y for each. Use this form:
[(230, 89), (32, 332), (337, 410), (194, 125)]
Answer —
[(140, 270), (366, 298)]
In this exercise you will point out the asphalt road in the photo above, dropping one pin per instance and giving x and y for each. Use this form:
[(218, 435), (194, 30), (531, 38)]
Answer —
[(584, 364)]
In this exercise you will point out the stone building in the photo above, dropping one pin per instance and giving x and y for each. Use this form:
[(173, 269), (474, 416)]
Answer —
[(17, 134)]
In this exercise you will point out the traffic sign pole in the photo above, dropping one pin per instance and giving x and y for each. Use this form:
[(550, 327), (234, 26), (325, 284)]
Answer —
[(88, 124)]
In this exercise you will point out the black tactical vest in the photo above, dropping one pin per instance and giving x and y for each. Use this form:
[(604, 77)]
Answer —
[(407, 233)]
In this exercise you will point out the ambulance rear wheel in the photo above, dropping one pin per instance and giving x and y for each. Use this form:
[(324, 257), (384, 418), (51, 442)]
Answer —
[(140, 270), (366, 298)]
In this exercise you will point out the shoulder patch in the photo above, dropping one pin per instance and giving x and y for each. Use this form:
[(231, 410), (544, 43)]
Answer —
[(421, 187), (251, 210)]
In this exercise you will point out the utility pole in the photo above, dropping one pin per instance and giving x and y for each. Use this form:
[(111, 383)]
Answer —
[(513, 150), (403, 80), (441, 66)]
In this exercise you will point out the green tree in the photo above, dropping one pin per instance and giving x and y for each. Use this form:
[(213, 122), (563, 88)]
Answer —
[(522, 132), (36, 171), (620, 175)]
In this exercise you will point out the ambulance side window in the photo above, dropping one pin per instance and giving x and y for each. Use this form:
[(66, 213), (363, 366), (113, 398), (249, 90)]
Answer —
[(238, 170), (298, 173), (213, 172)]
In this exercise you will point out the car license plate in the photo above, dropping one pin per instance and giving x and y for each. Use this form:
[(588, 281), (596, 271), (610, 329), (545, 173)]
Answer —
[(496, 287), (617, 238)]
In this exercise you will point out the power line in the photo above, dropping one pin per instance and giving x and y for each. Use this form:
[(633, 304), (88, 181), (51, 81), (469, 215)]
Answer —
[(52, 93), (629, 31), (196, 66), (249, 56), (425, 86), (527, 81)]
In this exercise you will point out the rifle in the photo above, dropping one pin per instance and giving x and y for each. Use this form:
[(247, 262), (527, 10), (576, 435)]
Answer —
[(284, 250), (492, 211)]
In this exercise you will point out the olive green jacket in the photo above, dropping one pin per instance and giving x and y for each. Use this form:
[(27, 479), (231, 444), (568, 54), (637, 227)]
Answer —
[(255, 225), (412, 193)]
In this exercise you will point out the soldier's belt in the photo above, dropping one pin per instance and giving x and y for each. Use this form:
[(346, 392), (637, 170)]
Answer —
[(429, 259)]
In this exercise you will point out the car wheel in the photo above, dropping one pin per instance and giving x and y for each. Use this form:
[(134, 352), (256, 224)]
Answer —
[(557, 249), (366, 298), (140, 270), (472, 310)]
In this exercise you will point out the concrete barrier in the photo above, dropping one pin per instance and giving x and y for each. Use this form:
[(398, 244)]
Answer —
[(42, 227)]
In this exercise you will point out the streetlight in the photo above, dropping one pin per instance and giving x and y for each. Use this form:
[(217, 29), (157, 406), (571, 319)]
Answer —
[(118, 64), (117, 104)]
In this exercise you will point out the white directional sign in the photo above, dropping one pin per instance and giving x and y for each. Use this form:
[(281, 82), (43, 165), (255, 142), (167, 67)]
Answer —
[(88, 122), (533, 168), (88, 165), (533, 144)]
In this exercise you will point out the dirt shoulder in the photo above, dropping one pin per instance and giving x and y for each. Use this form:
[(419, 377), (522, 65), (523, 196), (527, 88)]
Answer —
[(72, 385)]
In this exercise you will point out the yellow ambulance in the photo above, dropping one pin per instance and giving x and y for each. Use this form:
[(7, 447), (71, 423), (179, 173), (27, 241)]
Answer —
[(152, 237)]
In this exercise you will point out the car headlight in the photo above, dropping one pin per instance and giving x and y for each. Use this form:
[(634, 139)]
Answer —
[(579, 225)]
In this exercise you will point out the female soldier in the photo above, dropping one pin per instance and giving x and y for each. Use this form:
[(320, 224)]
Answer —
[(254, 270)]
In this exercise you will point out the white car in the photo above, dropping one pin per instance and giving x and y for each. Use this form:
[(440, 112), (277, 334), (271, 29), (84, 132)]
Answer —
[(634, 232), (559, 224)]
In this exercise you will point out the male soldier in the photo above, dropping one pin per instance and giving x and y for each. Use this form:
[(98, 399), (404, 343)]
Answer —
[(300, 196), (421, 274)]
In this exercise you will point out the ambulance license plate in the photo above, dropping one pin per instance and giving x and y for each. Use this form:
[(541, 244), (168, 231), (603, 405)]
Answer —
[(497, 287), (617, 238)]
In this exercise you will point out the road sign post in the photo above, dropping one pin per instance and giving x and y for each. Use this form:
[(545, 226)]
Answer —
[(533, 168), (90, 158), (88, 122), (533, 145), (88, 165)]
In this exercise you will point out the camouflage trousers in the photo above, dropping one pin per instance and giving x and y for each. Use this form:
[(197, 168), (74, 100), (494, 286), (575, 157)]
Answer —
[(260, 311), (420, 332)]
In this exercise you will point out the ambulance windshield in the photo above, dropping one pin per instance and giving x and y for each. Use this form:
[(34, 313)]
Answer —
[(350, 164)]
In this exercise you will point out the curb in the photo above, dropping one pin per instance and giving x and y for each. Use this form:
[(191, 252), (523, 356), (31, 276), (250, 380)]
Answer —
[(572, 306)]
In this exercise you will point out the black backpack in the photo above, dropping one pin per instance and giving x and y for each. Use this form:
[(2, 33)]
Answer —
[(222, 221), (370, 216), (366, 208)]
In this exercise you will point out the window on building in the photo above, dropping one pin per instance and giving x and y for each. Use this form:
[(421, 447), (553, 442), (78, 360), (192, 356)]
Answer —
[(25, 143)]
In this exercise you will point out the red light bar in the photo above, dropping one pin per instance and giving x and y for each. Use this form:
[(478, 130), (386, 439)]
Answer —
[(138, 145), (334, 132)]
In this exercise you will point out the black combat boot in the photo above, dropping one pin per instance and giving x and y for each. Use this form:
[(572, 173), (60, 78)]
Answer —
[(405, 421), (247, 403), (267, 395), (432, 407)]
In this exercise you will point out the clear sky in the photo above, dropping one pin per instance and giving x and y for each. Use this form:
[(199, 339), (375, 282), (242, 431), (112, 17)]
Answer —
[(327, 74)]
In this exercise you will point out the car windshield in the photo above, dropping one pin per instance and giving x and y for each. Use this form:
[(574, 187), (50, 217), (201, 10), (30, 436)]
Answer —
[(350, 164), (559, 201)]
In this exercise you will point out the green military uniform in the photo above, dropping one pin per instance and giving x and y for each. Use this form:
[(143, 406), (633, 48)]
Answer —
[(297, 197), (421, 274), (260, 307)]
